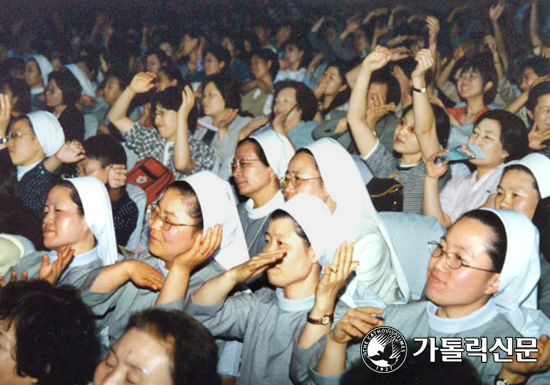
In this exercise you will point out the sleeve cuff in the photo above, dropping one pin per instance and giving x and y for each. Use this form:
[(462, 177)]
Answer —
[(366, 157)]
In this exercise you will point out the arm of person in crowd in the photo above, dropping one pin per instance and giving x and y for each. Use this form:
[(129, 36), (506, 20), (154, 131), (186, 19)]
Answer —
[(177, 282), (444, 75), (183, 161), (116, 180), (249, 85), (491, 43), (251, 127), (433, 30), (363, 134), (516, 105), (424, 119), (142, 82), (114, 276), (218, 288), (352, 26), (537, 137), (431, 204), (515, 372), (378, 31), (70, 152), (494, 14), (52, 271), (5, 116), (536, 42)]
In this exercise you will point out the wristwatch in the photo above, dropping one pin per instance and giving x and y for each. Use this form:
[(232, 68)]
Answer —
[(500, 381), (420, 90), (324, 320)]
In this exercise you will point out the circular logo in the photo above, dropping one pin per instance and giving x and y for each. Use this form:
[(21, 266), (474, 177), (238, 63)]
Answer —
[(384, 349)]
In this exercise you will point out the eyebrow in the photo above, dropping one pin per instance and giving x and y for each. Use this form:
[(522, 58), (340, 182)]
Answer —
[(112, 349)]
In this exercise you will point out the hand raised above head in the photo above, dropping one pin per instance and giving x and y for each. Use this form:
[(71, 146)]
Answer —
[(142, 82)]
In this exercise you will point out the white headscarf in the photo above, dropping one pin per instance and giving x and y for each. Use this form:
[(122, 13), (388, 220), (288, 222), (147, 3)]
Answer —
[(85, 83), (539, 165), (218, 207), (345, 186), (517, 295), (99, 216), (44, 65), (277, 150)]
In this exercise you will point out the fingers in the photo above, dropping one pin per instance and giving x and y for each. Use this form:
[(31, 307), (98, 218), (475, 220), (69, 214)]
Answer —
[(3, 283)]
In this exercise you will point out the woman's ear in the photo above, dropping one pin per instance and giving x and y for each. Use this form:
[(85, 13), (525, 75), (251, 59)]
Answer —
[(342, 87), (494, 285), (504, 155)]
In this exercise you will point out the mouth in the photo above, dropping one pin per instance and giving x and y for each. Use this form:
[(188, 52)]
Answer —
[(46, 231), (398, 140), (434, 280), (153, 239)]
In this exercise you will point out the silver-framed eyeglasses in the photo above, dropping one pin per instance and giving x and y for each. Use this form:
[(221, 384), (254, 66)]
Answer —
[(154, 215), (294, 180), (454, 261), (240, 163), (16, 135)]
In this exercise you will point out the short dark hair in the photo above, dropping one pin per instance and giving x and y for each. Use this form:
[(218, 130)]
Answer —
[(535, 93), (221, 54), (122, 78), (227, 86), (105, 149), (442, 123), (540, 65), (384, 76), (172, 73), (269, 56), (194, 351), (483, 64), (513, 133), (91, 61), (55, 333), (498, 245), (305, 99), (69, 85), (191, 201), (281, 214), (161, 56), (299, 43), (20, 90), (170, 99)]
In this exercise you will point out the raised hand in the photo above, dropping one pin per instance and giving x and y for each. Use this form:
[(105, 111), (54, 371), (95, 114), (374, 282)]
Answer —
[(459, 52), (252, 126), (315, 62), (13, 278), (142, 82), (71, 152), (202, 249), (524, 369), (496, 11), (117, 175), (52, 271), (228, 118), (434, 169), (5, 113), (353, 25), (187, 102), (537, 137), (279, 121), (377, 59), (144, 275), (256, 265), (433, 28), (355, 324), (424, 61), (377, 110), (490, 42)]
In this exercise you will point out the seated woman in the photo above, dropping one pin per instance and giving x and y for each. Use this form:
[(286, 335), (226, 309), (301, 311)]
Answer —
[(165, 347), (240, 48), (19, 96), (221, 101), (257, 94), (332, 91), (37, 69), (422, 131), (295, 59), (155, 60), (48, 335), (77, 221), (481, 283), (216, 60), (168, 76), (317, 169), (169, 143), (294, 253), (502, 137), (259, 164), (62, 94), (183, 225)]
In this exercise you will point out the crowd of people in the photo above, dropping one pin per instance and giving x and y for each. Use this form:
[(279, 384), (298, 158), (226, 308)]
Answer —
[(240, 199)]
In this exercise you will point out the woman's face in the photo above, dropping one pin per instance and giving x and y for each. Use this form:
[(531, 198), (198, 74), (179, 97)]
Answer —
[(463, 290), (528, 77), (153, 64), (112, 90), (163, 82), (54, 95), (166, 122), (516, 191), (137, 358), (168, 244), (333, 80), (167, 48), (253, 177), (541, 113), (486, 135), (212, 100), (62, 224), (212, 65), (470, 84), (286, 103), (57, 64), (293, 54), (24, 149), (33, 76), (93, 167), (259, 67), (303, 166), (298, 261), (404, 139)]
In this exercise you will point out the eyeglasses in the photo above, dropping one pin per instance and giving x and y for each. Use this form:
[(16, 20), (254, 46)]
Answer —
[(295, 181), (240, 163), (17, 135), (153, 214), (453, 260)]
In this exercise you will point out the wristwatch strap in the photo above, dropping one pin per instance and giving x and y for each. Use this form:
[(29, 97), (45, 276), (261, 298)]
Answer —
[(421, 90), (324, 320)]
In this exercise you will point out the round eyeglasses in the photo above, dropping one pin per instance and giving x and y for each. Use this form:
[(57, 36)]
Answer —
[(154, 215), (294, 180), (453, 260)]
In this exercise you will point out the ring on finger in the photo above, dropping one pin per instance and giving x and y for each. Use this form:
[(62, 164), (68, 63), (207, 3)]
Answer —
[(201, 252)]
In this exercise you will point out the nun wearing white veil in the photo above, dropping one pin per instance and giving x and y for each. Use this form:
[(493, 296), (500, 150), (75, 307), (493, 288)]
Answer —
[(325, 169), (77, 216), (179, 223), (259, 163), (37, 69)]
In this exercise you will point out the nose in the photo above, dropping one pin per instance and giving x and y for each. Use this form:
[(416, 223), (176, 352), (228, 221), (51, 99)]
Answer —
[(114, 377), (505, 202), (289, 190)]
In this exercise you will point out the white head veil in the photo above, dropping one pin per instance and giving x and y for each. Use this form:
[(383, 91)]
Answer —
[(99, 215), (44, 65), (539, 165), (85, 83), (218, 207), (517, 295), (277, 150), (48, 131), (345, 186)]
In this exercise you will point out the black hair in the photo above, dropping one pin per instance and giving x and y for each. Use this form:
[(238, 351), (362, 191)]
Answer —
[(172, 73), (91, 61), (228, 87), (221, 54), (442, 123), (497, 246), (68, 84), (194, 354), (161, 56), (343, 96), (513, 134), (542, 222), (483, 64), (268, 55), (281, 214), (301, 44), (73, 194), (105, 149), (384, 76), (122, 78), (170, 99), (20, 90), (535, 93), (407, 64), (56, 339), (194, 33), (540, 65), (520, 167), (191, 202), (258, 150), (305, 99)]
